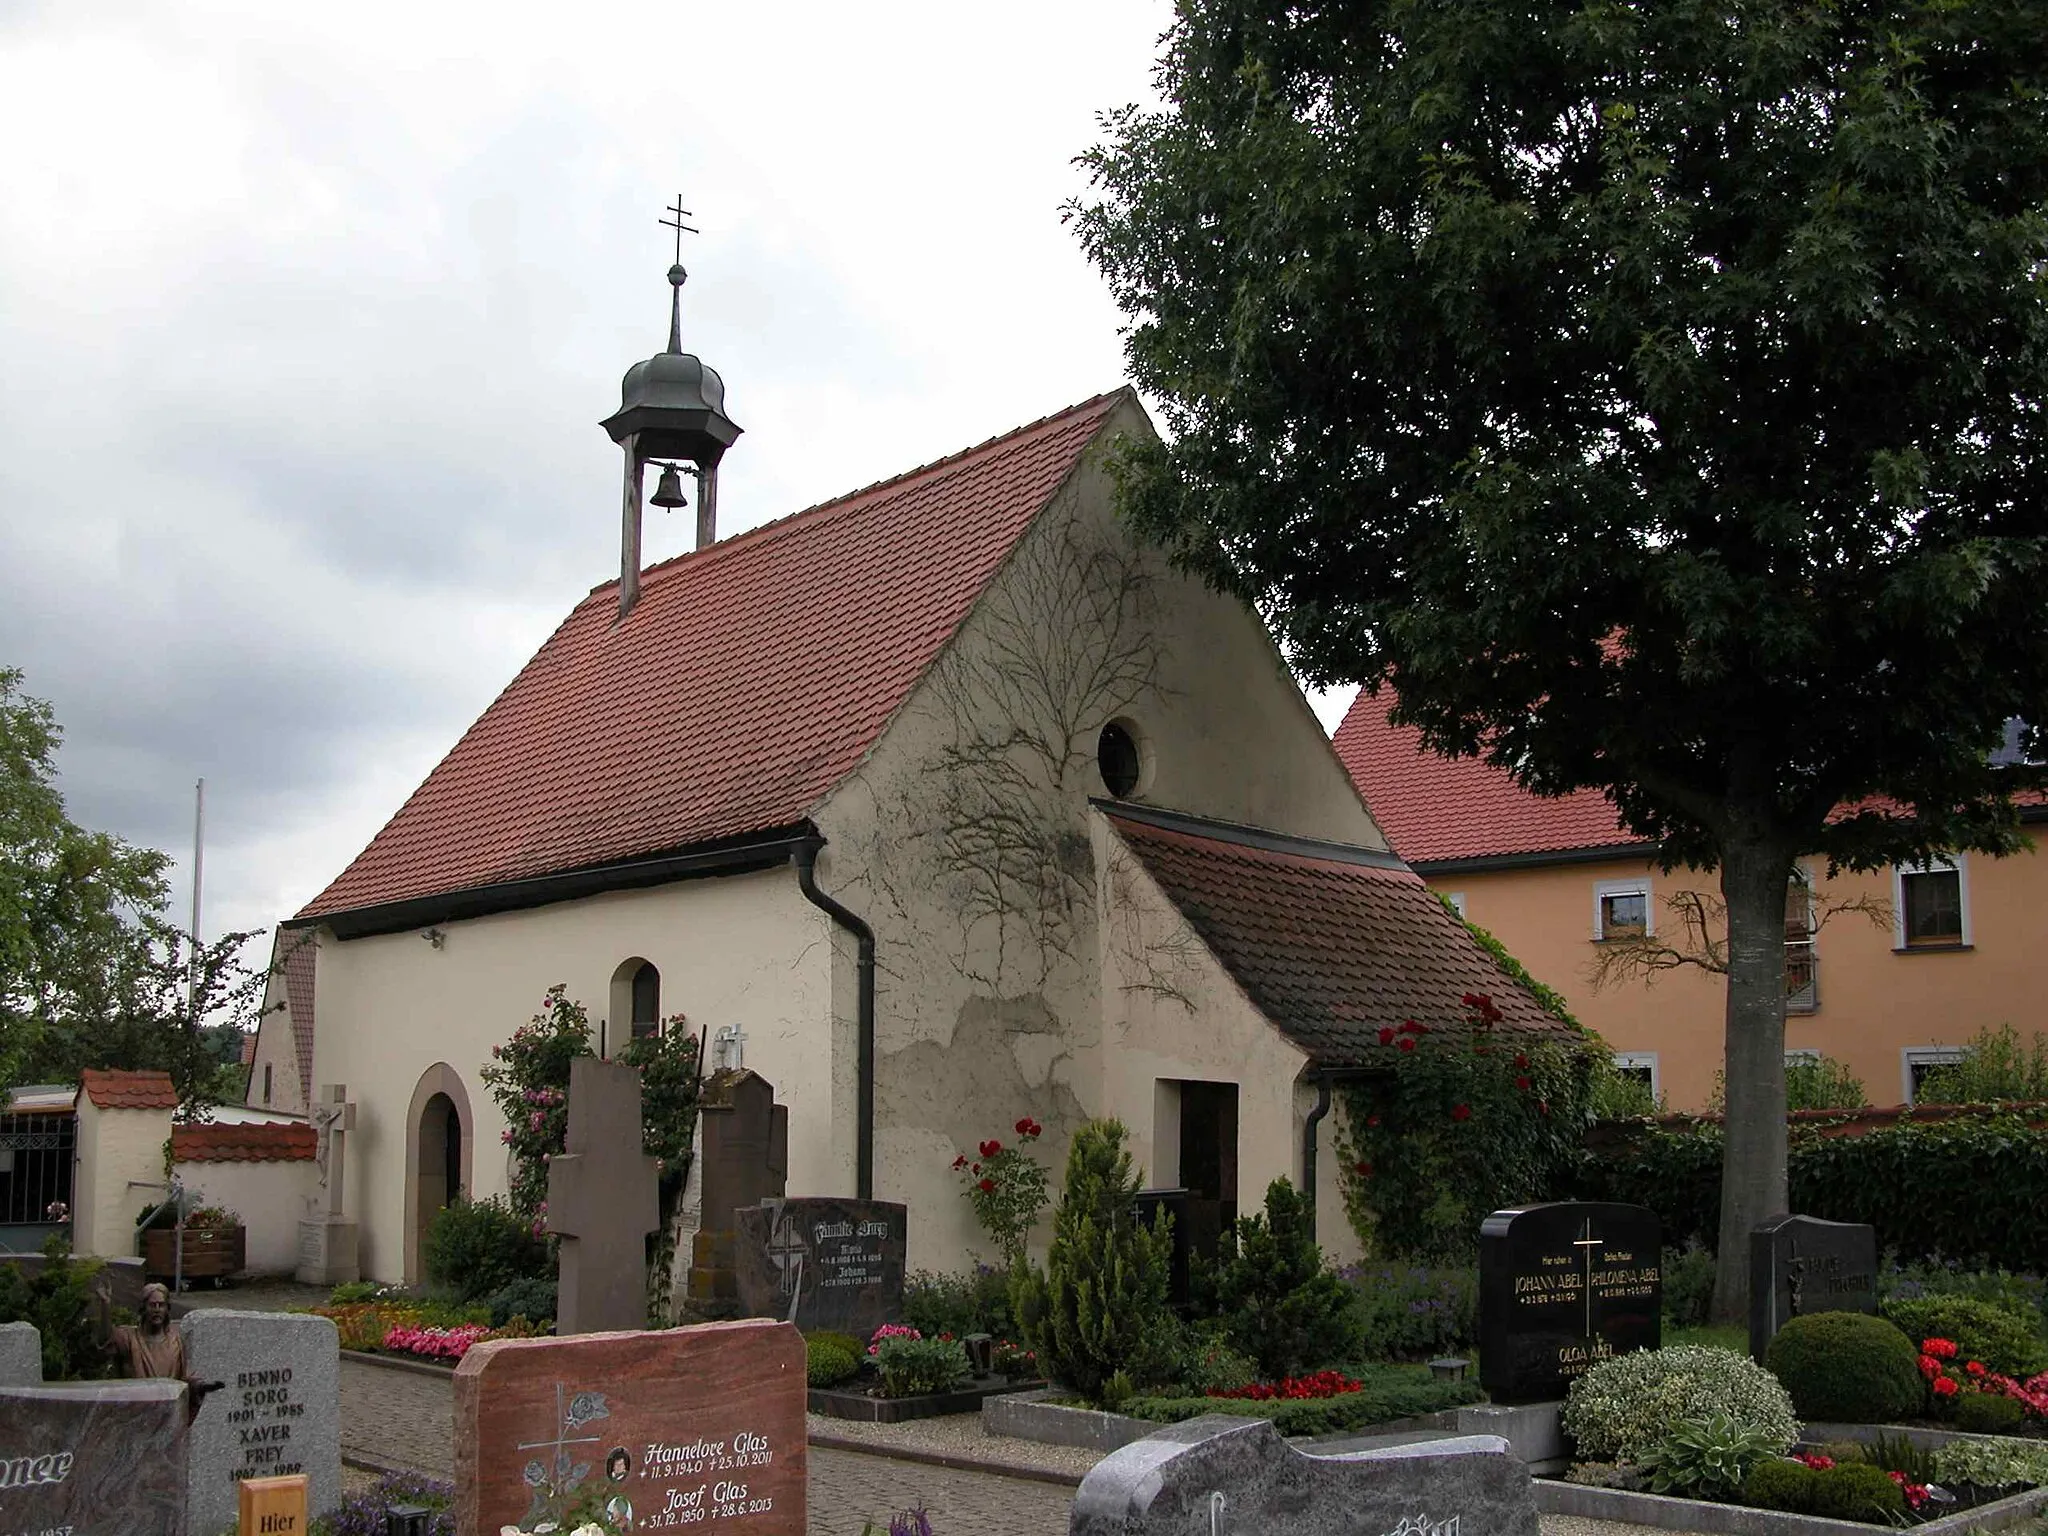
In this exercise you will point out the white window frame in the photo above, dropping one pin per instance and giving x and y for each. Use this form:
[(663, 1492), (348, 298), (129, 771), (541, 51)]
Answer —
[(1635, 1061), (1456, 900), (1912, 1056), (1639, 886), (1799, 1053), (1957, 862), (1804, 879)]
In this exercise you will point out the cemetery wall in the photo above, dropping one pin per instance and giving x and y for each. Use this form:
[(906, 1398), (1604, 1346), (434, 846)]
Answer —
[(745, 949), (120, 1170), (270, 1197)]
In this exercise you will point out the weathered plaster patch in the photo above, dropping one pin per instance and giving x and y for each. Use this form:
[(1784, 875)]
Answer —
[(1035, 1055), (977, 1085)]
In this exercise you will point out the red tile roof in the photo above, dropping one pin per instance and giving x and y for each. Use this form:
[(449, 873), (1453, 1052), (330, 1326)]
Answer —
[(128, 1090), (1434, 808), (749, 679), (244, 1143), (1331, 943)]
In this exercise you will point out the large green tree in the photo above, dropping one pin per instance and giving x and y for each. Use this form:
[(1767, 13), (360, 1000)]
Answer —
[(1650, 393), (91, 973)]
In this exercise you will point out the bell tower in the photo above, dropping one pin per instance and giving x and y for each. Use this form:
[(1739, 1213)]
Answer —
[(671, 412)]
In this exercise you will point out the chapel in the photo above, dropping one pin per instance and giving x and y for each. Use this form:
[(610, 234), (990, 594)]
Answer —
[(941, 805)]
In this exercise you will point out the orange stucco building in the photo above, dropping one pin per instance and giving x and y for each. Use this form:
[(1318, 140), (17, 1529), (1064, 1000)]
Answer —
[(1942, 952)]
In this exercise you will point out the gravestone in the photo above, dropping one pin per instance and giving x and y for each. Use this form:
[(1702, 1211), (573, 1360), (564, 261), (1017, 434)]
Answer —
[(1239, 1477), (821, 1262), (93, 1459), (745, 1160), (677, 1427), (603, 1201), (21, 1355), (328, 1249), (1560, 1287), (1801, 1264), (278, 1412)]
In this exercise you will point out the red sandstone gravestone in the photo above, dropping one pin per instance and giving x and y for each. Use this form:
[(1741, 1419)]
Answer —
[(679, 1429)]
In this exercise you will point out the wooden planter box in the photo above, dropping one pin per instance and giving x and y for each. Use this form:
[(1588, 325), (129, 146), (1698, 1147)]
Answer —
[(210, 1252)]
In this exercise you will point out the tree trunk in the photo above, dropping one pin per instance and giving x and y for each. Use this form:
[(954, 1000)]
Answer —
[(1754, 876)]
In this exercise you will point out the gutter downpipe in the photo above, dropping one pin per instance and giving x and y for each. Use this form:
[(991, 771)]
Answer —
[(1308, 1147), (805, 856)]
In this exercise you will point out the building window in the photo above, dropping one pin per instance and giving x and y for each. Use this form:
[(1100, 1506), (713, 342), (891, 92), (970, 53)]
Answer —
[(1621, 909), (1118, 759), (1931, 905), (1802, 963), (1640, 1065), (1916, 1061), (646, 1001), (266, 1082)]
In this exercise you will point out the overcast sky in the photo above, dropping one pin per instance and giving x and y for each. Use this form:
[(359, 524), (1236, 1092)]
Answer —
[(308, 315)]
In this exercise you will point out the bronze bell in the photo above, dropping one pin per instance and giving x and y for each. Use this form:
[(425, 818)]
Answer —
[(669, 493)]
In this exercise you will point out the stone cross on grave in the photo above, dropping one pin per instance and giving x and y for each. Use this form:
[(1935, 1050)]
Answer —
[(602, 1202), (333, 1117)]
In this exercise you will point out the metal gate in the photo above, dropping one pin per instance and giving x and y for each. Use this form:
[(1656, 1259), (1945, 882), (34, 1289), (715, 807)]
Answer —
[(37, 1152)]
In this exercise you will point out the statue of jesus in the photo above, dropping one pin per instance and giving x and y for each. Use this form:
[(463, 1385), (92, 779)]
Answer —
[(151, 1348)]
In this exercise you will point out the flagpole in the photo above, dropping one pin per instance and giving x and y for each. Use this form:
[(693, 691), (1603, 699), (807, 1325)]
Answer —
[(198, 867)]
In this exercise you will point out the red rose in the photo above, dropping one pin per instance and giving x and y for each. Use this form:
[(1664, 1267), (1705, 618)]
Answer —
[(960, 1162), (1461, 1112), (1523, 1083), (1407, 1044), (991, 1148), (1363, 1170), (977, 1167), (1946, 1387), (1522, 1061), (1386, 1037), (988, 1186)]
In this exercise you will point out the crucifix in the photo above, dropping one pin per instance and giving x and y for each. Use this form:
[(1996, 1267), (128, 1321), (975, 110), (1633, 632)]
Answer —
[(602, 1202), (333, 1117), (1588, 1242)]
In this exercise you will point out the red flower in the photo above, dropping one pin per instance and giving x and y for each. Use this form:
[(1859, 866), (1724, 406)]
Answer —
[(988, 1186), (1523, 1083), (977, 1167), (1023, 1127), (1522, 1061), (1363, 1170), (1929, 1366), (1461, 1112), (1407, 1044), (991, 1148), (1372, 1120), (1941, 1349), (1386, 1037), (1410, 1027), (1543, 1106), (1945, 1386), (960, 1162), (1975, 1367)]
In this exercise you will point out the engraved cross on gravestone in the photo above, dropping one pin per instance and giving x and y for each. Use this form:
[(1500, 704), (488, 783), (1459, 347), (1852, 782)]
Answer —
[(602, 1202)]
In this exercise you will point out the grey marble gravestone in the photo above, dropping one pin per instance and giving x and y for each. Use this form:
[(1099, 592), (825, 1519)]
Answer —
[(822, 1262), (1801, 1264), (278, 1411), (102, 1458), (1223, 1476), (21, 1355)]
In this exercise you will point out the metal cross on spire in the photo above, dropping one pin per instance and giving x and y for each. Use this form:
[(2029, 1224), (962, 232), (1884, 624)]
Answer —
[(676, 274), (681, 213)]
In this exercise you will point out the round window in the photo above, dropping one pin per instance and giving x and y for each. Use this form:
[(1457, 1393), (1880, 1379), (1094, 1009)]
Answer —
[(1116, 756)]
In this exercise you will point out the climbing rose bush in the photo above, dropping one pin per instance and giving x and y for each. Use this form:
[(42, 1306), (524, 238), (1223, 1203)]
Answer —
[(528, 1078), (1005, 1185)]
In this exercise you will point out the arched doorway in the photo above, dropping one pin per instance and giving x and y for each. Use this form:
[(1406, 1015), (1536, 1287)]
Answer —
[(438, 1156)]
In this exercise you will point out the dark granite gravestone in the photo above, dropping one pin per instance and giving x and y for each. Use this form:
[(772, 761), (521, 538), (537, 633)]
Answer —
[(602, 1201), (1238, 1477), (1560, 1287), (93, 1459), (1800, 1264), (745, 1161), (825, 1263)]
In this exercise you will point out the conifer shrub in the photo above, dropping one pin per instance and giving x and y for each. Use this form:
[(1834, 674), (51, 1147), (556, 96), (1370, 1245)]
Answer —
[(1847, 1367), (58, 1299), (1278, 1301), (1098, 1310)]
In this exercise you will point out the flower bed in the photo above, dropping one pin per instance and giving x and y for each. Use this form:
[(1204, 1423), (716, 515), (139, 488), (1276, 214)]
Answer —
[(419, 1330)]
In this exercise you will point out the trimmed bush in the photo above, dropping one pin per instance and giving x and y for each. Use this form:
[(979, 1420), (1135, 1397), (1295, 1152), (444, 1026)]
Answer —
[(2002, 1337), (1988, 1413), (531, 1298), (1379, 1403), (1786, 1485), (1623, 1406), (1858, 1492), (1847, 1367), (918, 1367), (1688, 1286), (476, 1247), (1278, 1301), (827, 1362)]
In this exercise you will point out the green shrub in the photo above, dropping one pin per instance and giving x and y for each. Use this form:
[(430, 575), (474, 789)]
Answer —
[(855, 1347), (1988, 1413), (1279, 1303), (531, 1298), (1847, 1367), (827, 1362), (1706, 1458), (1623, 1406), (476, 1247), (1379, 1403), (915, 1367), (1688, 1275), (1858, 1492), (2003, 1339), (1902, 1454), (1203, 1361), (959, 1302), (58, 1299), (1998, 1066), (1775, 1484), (1414, 1311), (1990, 1463), (350, 1292), (2025, 1294), (1099, 1307)]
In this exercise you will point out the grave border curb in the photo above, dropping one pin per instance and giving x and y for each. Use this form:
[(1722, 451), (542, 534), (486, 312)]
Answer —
[(949, 1460), (1663, 1512), (393, 1363)]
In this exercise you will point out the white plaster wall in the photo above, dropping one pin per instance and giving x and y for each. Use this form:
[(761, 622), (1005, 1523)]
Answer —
[(276, 1048), (269, 1197), (744, 949), (119, 1152)]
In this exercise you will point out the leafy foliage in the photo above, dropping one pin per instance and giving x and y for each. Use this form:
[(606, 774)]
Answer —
[(1098, 1310), (1776, 1484), (533, 1298), (1688, 1277), (1624, 1405), (1706, 1457), (1857, 1491), (58, 1300), (2003, 1338), (1991, 1463), (913, 1367), (1278, 1301), (828, 1362), (1453, 1126), (1999, 1067), (668, 1065), (477, 1247), (1005, 1186), (1988, 1413), (1846, 1367), (528, 1078), (1648, 393), (1387, 1393), (363, 1514), (960, 1302), (1413, 1311)]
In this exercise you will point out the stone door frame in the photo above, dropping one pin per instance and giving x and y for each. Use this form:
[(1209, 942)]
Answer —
[(443, 1080)]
